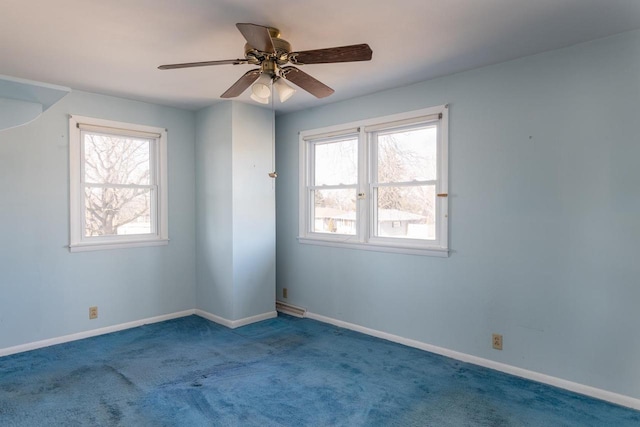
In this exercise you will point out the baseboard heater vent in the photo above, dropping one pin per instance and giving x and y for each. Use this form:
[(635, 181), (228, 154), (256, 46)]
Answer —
[(292, 310)]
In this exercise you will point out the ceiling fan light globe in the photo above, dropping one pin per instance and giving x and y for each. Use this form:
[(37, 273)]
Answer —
[(261, 88), (259, 99), (284, 90)]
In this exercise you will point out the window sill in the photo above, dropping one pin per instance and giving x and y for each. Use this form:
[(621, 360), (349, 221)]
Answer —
[(101, 246), (409, 250)]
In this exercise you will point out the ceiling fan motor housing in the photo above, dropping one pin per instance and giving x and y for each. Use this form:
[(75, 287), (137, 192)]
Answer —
[(282, 49)]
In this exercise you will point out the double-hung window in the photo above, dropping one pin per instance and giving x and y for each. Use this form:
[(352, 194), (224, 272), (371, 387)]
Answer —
[(118, 188), (379, 184)]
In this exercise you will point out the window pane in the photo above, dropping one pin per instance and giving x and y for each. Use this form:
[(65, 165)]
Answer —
[(334, 211), (409, 155), (117, 211), (406, 212), (336, 162), (111, 159)]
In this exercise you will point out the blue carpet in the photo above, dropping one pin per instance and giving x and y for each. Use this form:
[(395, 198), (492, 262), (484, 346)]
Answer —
[(280, 372)]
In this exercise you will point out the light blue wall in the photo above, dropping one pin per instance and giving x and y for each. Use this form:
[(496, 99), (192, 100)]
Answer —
[(214, 218), (254, 211), (45, 291), (544, 219), (235, 211)]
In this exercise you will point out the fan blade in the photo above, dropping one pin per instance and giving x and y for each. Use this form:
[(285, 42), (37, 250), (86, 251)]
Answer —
[(306, 82), (202, 64), (242, 84), (257, 36), (356, 52)]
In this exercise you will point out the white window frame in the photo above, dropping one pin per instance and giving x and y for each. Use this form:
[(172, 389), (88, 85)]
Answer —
[(78, 242), (364, 238)]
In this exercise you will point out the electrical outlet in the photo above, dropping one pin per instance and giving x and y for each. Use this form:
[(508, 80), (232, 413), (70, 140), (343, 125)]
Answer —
[(93, 312), (284, 293), (496, 339)]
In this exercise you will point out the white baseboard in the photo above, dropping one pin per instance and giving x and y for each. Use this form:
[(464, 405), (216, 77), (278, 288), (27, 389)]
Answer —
[(115, 328), (586, 390), (235, 323), (92, 333)]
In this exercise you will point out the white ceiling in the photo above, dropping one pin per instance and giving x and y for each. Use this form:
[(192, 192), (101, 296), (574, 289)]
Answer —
[(114, 46)]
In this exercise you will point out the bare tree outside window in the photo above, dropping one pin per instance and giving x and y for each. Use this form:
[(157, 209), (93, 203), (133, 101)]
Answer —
[(407, 163), (118, 193)]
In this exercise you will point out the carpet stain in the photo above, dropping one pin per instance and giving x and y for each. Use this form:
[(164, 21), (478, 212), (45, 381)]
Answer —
[(113, 411), (458, 408)]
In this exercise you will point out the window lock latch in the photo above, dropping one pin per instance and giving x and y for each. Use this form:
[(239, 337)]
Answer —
[(361, 196)]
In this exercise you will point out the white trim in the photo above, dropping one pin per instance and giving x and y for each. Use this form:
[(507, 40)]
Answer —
[(442, 234), (340, 128), (364, 238), (609, 396), (425, 251), (233, 324), (158, 153), (92, 333), (104, 123), (162, 213), (110, 130), (304, 207), (334, 132), (394, 125), (86, 247), (254, 319), (214, 318)]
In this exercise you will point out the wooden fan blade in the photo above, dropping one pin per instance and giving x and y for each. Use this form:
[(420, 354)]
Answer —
[(306, 82), (202, 64), (257, 36), (356, 52), (242, 84)]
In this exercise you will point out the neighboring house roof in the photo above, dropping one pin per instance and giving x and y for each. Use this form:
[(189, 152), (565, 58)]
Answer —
[(383, 215)]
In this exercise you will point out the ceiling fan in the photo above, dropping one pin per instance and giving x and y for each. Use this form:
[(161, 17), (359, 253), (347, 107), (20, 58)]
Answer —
[(266, 49)]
